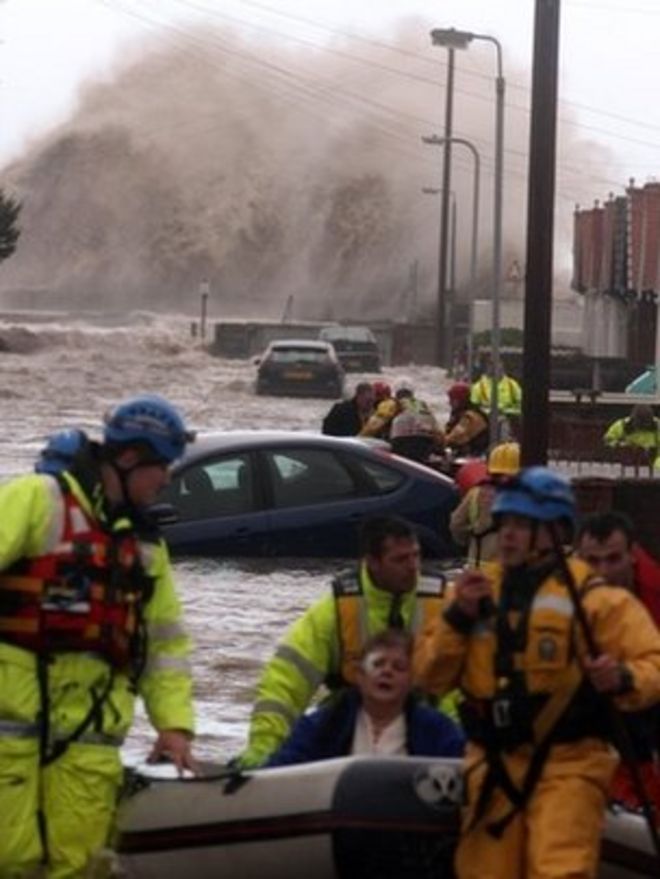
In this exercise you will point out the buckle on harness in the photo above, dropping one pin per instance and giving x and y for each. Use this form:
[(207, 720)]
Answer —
[(502, 712)]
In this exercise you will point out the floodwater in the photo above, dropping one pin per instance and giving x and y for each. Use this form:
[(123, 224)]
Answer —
[(65, 371)]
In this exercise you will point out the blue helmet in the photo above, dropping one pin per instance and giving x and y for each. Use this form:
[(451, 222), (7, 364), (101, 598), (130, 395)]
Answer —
[(148, 419), (537, 493), (60, 451)]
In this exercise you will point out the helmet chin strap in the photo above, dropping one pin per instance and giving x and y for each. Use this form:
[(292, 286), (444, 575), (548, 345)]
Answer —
[(123, 475)]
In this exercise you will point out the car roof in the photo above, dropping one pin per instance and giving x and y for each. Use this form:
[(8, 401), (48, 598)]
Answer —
[(300, 343), (210, 442)]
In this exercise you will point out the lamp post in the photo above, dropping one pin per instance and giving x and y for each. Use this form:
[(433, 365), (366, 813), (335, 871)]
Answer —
[(451, 39), (439, 141), (443, 340), (450, 247)]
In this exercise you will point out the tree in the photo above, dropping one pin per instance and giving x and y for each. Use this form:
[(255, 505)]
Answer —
[(9, 231)]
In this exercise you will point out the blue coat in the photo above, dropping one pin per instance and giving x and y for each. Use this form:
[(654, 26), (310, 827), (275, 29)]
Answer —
[(328, 732)]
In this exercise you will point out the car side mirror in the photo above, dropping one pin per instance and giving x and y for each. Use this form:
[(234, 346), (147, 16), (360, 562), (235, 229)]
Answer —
[(163, 514)]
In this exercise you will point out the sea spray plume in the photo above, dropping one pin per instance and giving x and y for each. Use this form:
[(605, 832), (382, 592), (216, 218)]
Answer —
[(270, 171)]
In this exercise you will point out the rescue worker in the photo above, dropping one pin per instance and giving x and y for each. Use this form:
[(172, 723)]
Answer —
[(88, 618), (640, 429), (606, 542), (471, 523), (385, 590), (509, 392), (382, 391), (466, 431), (60, 451), (348, 417), (380, 422), (414, 430), (538, 762)]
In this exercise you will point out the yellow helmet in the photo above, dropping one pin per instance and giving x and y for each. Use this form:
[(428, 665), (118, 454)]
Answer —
[(504, 460)]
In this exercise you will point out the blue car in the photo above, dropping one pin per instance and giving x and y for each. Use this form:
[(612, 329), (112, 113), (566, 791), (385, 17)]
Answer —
[(275, 493)]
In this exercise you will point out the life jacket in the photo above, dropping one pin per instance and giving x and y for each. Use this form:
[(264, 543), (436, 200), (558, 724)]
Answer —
[(353, 618), (524, 686), (87, 594), (529, 656)]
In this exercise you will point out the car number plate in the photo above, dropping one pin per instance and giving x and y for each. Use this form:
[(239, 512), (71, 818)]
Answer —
[(298, 375)]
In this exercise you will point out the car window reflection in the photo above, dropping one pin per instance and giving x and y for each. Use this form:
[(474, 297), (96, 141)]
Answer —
[(381, 479), (308, 476), (223, 487)]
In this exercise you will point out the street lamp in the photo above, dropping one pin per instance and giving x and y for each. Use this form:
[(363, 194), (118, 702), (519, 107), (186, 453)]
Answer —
[(452, 39), (439, 141)]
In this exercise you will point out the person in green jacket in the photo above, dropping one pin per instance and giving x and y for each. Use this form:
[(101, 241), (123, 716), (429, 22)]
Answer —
[(640, 429), (89, 618), (509, 392), (385, 590)]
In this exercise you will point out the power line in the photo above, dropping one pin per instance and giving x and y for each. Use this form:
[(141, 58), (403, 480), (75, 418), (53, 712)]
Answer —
[(330, 92)]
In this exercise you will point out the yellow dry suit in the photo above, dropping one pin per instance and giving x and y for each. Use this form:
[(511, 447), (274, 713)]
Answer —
[(539, 763), (88, 618)]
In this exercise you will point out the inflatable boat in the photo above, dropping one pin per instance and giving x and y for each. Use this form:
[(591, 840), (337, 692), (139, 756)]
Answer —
[(392, 818)]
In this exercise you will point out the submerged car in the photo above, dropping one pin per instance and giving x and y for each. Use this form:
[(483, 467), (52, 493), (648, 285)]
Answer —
[(285, 493), (300, 368), (356, 347)]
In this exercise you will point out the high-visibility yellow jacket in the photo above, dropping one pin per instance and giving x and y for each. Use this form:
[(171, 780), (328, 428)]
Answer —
[(31, 513), (509, 394), (619, 433), (313, 651), (622, 627)]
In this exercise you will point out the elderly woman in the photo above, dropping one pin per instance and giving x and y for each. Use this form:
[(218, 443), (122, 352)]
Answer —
[(378, 716)]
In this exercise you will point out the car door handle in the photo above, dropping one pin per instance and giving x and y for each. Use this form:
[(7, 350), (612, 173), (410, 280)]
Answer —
[(243, 531)]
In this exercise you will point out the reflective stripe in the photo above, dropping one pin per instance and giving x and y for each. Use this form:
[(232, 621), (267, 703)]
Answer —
[(18, 729), (167, 663), (166, 631), (558, 603), (307, 669), (93, 738), (272, 706)]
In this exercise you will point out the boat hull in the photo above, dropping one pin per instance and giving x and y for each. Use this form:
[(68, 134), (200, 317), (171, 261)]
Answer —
[(392, 818)]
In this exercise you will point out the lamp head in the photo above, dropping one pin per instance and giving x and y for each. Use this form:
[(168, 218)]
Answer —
[(450, 38)]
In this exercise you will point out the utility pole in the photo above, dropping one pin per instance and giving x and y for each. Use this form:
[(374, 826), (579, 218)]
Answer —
[(443, 340), (540, 229)]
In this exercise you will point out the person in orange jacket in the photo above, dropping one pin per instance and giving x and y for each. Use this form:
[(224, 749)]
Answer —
[(539, 760), (606, 541), (471, 523)]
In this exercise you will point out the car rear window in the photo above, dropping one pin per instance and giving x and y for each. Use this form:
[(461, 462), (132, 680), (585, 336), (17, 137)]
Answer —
[(297, 355), (308, 476), (384, 478)]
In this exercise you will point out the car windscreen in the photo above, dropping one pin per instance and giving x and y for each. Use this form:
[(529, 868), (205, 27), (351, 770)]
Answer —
[(297, 355)]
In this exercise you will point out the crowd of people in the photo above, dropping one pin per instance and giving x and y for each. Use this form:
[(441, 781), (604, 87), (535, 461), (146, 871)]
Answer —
[(409, 424), (521, 664)]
